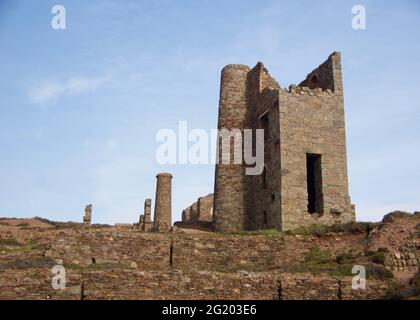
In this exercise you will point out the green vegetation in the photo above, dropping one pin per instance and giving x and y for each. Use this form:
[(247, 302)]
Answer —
[(9, 242), (318, 256), (269, 233), (345, 258), (318, 261), (32, 244), (36, 276), (378, 257), (23, 224), (349, 228), (2, 223)]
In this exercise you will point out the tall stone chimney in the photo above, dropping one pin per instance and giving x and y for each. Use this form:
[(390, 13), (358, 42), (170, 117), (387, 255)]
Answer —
[(229, 183), (163, 210)]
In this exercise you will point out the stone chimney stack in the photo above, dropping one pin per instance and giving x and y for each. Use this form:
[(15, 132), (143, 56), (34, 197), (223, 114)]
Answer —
[(230, 183), (87, 219), (163, 210)]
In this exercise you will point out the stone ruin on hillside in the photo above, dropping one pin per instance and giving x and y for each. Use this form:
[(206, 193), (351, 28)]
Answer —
[(304, 179)]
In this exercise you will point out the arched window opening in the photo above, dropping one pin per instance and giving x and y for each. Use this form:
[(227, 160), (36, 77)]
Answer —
[(313, 82)]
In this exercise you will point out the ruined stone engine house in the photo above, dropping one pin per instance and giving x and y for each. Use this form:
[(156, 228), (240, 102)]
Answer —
[(304, 180)]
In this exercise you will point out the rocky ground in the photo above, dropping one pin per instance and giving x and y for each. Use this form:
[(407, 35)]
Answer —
[(104, 262)]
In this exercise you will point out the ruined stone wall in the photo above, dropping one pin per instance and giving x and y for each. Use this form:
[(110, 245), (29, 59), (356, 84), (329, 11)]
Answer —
[(193, 212), (186, 215), (111, 246), (205, 208), (398, 238), (263, 191), (312, 122)]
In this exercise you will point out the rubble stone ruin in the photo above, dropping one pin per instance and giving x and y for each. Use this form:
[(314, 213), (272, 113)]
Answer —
[(163, 210), (199, 211), (145, 223), (304, 179), (87, 218)]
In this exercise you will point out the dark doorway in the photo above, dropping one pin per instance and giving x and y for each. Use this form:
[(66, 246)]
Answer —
[(264, 178), (313, 83), (314, 183)]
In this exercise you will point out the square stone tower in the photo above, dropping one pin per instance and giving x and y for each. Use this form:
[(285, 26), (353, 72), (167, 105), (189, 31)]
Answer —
[(304, 179)]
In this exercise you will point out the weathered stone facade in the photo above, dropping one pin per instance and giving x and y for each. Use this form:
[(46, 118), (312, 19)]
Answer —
[(163, 207), (304, 180)]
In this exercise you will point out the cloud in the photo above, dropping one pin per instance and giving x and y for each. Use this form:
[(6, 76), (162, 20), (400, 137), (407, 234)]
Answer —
[(47, 92)]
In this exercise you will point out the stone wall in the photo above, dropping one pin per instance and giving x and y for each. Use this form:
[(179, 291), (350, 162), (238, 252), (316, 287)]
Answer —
[(205, 208), (111, 246), (199, 211), (177, 284)]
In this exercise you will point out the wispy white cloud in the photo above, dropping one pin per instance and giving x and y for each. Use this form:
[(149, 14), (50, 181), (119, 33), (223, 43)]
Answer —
[(50, 91)]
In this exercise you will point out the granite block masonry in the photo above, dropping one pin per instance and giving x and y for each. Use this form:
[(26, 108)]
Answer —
[(304, 180), (163, 209)]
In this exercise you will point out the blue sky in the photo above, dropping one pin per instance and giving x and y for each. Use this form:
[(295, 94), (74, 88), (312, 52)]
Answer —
[(80, 108)]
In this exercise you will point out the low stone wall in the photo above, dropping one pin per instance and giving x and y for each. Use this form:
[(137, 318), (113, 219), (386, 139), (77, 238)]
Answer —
[(111, 246), (176, 284), (150, 251), (227, 253)]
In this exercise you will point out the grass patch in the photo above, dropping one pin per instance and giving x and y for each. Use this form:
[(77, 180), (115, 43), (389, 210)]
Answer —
[(345, 258), (32, 244), (23, 224), (348, 228), (269, 233), (318, 261), (2, 223), (9, 242), (36, 276), (378, 257), (318, 256)]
